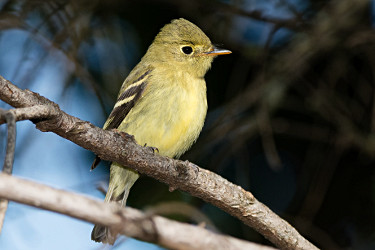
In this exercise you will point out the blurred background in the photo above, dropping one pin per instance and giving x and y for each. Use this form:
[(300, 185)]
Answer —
[(291, 111)]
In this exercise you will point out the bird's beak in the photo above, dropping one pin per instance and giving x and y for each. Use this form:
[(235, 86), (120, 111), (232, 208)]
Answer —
[(217, 51)]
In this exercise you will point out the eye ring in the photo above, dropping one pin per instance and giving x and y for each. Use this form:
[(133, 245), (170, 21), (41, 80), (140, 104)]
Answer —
[(187, 50)]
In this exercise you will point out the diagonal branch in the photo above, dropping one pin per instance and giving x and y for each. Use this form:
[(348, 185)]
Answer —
[(186, 176), (127, 221)]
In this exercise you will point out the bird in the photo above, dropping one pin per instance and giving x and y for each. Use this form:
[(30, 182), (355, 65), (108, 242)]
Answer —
[(162, 103)]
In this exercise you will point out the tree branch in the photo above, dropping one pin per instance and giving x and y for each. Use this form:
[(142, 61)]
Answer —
[(112, 146), (10, 119), (28, 113), (127, 221)]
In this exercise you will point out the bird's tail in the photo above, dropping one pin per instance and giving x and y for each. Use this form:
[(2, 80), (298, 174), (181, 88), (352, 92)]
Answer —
[(120, 181)]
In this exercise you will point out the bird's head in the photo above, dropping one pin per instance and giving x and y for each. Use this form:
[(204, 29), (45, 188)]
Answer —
[(184, 46)]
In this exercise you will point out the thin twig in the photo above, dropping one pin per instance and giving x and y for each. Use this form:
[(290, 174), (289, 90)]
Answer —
[(11, 142), (9, 157)]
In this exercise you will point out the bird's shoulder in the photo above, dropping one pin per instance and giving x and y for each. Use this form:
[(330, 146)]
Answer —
[(131, 91), (139, 75)]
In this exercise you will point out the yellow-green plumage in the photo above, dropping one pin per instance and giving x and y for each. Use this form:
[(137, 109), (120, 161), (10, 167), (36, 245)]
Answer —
[(162, 102)]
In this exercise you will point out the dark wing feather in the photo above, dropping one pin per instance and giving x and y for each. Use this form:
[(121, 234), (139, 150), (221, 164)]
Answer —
[(125, 102)]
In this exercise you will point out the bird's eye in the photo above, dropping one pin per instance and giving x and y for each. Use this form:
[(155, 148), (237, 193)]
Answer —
[(187, 50)]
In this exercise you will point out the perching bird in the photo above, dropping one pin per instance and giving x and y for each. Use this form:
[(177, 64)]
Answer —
[(162, 103)]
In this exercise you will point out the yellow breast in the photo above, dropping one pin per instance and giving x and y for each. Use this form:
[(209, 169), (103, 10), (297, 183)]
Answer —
[(170, 115)]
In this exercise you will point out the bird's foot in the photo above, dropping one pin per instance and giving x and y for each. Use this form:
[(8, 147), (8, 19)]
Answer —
[(153, 149)]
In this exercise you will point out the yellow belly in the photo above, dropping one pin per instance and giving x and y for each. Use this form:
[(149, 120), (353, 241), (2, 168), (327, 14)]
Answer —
[(169, 118)]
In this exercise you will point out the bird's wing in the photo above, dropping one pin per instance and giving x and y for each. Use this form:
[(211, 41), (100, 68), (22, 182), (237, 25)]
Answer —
[(129, 95), (126, 101)]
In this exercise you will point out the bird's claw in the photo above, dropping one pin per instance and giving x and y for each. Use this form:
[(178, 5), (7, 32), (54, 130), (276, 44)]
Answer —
[(153, 149)]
